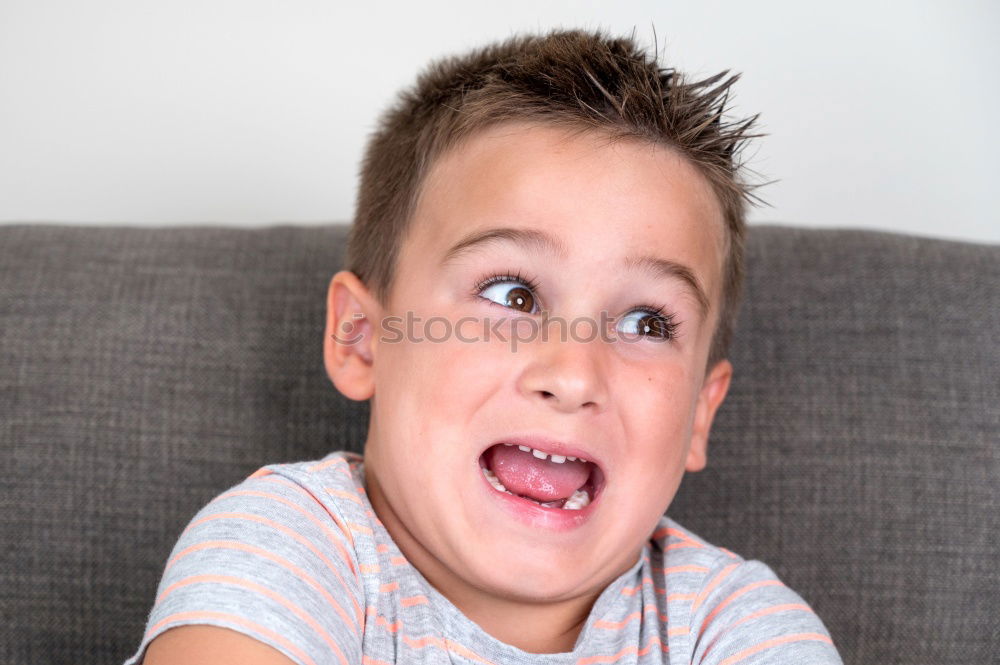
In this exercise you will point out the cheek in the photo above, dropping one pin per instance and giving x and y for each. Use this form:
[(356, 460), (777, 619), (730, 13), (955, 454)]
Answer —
[(658, 408), (426, 386), (662, 397)]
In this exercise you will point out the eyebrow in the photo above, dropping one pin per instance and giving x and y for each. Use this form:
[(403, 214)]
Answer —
[(528, 239), (540, 242), (672, 270)]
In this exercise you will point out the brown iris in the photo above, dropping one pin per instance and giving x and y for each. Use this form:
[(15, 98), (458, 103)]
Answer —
[(653, 325), (521, 299)]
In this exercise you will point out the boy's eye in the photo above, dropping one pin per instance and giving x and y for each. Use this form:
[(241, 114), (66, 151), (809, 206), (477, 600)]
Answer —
[(648, 323), (510, 293)]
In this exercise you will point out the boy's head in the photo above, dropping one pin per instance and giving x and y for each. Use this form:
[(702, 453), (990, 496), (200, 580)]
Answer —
[(571, 79), (564, 177)]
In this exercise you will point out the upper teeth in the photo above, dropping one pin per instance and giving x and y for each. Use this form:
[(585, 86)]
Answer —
[(558, 459)]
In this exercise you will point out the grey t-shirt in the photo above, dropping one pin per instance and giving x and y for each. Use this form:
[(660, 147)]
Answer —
[(295, 557)]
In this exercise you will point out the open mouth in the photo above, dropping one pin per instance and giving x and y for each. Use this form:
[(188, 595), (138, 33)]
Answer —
[(548, 479)]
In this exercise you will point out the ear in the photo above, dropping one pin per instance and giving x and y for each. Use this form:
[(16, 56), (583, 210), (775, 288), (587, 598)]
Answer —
[(349, 341), (713, 391)]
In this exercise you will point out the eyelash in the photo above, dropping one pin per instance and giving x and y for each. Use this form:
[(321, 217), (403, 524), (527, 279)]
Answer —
[(492, 278), (670, 322)]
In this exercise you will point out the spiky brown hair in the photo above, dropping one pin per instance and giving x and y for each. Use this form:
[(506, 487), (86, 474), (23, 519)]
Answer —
[(569, 78)]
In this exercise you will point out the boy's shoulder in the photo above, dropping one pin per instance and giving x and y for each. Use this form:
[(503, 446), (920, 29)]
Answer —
[(334, 485), (677, 549), (334, 463), (726, 600), (678, 553), (260, 557), (671, 536), (337, 477)]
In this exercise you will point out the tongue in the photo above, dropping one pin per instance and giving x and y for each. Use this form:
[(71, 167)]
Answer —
[(539, 479)]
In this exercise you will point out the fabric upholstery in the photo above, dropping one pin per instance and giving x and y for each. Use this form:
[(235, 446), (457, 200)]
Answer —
[(145, 370)]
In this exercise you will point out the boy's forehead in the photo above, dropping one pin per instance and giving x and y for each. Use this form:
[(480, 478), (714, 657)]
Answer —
[(537, 176)]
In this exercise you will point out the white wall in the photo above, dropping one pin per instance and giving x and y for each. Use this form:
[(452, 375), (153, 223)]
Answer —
[(252, 112)]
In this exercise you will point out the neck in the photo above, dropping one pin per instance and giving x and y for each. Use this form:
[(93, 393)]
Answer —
[(529, 626)]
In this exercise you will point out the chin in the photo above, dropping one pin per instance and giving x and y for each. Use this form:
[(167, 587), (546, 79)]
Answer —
[(529, 579)]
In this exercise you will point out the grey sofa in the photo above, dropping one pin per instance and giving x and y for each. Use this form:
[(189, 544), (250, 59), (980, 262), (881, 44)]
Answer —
[(145, 370)]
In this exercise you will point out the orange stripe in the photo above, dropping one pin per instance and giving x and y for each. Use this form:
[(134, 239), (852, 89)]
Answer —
[(455, 647), (253, 586), (681, 569), (260, 472), (399, 561), (414, 600), (686, 543), (394, 627), (670, 599), (734, 596), (666, 531), (303, 575), (631, 591), (343, 494), (618, 625), (359, 528), (193, 617), (655, 610), (327, 464), (313, 499), (445, 645), (382, 621), (381, 548), (798, 637), (711, 585), (625, 652), (759, 613), (775, 609), (670, 531), (391, 586), (420, 642), (680, 596), (299, 509), (728, 553), (287, 531), (365, 660), (370, 568)]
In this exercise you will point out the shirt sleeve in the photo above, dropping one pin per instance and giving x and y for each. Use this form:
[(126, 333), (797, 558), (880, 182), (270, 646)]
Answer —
[(745, 615), (269, 560)]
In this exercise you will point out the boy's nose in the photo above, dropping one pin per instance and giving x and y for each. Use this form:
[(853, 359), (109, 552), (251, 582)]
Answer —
[(567, 375)]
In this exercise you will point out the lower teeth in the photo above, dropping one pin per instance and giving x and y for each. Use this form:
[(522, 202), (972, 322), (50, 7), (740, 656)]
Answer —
[(580, 498)]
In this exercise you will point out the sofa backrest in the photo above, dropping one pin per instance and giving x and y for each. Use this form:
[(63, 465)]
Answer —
[(146, 370)]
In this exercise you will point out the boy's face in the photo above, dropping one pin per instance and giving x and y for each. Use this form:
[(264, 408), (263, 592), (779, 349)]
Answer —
[(596, 228)]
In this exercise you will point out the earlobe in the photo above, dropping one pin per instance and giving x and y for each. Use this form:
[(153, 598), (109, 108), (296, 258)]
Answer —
[(349, 342), (713, 391)]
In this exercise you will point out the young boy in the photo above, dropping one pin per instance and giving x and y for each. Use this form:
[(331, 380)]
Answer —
[(545, 268)]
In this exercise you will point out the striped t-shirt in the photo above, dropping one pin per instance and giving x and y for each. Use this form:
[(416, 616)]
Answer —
[(295, 557)]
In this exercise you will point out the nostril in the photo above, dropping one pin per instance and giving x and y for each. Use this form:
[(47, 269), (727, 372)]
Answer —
[(547, 394)]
